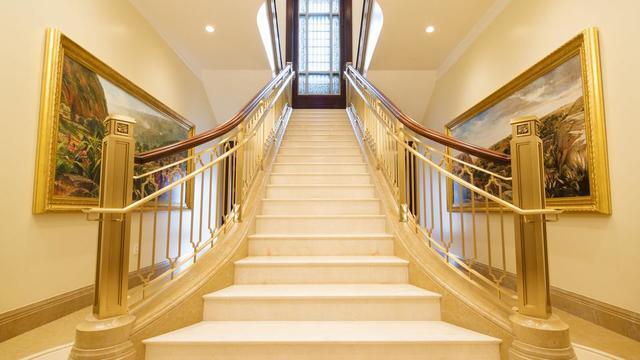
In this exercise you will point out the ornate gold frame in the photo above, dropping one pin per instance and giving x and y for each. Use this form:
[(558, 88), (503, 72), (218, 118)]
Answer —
[(587, 45), (57, 46)]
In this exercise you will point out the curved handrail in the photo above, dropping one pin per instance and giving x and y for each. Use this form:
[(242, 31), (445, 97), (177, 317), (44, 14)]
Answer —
[(214, 133), (426, 132)]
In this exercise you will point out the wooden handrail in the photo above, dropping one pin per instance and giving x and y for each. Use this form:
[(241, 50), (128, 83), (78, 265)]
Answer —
[(214, 133), (430, 134)]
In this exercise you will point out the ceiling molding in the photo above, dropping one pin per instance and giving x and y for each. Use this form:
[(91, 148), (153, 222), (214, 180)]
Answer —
[(487, 18)]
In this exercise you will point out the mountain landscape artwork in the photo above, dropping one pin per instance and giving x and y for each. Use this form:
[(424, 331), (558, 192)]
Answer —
[(557, 99), (86, 99)]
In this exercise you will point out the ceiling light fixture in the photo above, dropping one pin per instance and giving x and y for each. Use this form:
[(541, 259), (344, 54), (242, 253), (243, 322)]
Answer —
[(209, 28), (430, 29)]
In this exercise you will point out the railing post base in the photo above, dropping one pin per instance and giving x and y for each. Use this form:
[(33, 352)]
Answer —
[(536, 338), (104, 339)]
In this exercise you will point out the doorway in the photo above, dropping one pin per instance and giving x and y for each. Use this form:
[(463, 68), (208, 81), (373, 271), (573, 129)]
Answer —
[(319, 46)]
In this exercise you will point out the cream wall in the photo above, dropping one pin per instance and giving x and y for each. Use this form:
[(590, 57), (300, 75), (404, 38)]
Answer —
[(408, 89), (591, 255), (46, 255), (229, 90)]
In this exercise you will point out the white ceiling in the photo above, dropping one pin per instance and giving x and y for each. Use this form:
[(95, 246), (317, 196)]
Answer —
[(404, 44), (235, 44)]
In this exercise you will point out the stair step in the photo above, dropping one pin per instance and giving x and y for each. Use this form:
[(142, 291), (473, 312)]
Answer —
[(320, 245), (326, 340), (320, 178), (280, 167), (320, 127), (306, 206), (319, 132), (320, 224), (319, 150), (314, 137), (319, 191), (320, 143), (320, 159), (321, 270), (324, 302)]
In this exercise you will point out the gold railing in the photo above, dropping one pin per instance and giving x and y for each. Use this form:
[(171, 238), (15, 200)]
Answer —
[(484, 222), (181, 208)]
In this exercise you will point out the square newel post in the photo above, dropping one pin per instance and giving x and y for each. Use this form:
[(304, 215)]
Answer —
[(105, 333), (538, 333)]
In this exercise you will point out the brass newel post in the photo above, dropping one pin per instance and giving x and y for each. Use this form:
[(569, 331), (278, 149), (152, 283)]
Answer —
[(538, 333), (402, 174), (239, 172), (105, 333), (527, 168)]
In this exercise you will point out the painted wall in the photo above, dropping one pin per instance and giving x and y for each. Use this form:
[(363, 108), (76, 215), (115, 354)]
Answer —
[(591, 255), (408, 89), (229, 90), (46, 255)]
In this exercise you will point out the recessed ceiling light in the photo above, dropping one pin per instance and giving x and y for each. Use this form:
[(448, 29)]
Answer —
[(209, 28), (430, 29)]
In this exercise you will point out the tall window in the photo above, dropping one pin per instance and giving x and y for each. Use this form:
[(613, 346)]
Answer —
[(319, 47)]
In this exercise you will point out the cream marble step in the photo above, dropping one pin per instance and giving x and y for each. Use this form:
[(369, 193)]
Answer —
[(319, 150), (324, 302), (307, 206), (320, 178), (320, 224), (321, 270), (322, 340), (320, 159), (320, 245), (314, 132), (349, 168), (320, 121), (314, 137), (319, 191), (320, 143), (320, 127)]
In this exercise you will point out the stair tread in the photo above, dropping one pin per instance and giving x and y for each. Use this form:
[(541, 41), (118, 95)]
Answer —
[(321, 236), (323, 199), (321, 260), (247, 332), (302, 216), (326, 291)]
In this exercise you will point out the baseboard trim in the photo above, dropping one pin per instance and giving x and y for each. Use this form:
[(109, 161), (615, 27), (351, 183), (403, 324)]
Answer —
[(29, 317), (614, 318)]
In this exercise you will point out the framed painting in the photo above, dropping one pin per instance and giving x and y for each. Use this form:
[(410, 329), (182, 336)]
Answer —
[(78, 92), (564, 91)]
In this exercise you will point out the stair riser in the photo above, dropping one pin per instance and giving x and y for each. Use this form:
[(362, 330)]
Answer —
[(324, 351), (291, 150), (313, 179), (319, 168), (320, 225), (322, 247), (320, 193), (328, 143), (283, 309), (329, 207), (317, 159), (321, 274), (347, 133)]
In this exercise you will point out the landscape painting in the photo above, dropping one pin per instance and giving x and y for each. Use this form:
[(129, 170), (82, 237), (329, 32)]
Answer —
[(85, 96), (557, 92)]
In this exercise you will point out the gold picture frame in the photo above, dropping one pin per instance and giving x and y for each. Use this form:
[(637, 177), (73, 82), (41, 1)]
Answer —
[(582, 50), (61, 54)]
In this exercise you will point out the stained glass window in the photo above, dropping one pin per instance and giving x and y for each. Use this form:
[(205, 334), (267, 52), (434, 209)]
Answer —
[(319, 47)]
